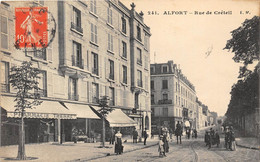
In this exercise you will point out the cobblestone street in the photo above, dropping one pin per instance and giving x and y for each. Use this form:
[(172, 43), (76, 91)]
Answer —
[(189, 150)]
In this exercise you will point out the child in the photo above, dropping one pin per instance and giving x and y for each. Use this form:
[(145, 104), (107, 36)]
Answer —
[(160, 148)]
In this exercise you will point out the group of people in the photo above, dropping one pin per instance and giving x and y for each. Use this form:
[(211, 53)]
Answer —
[(211, 138), (164, 142), (230, 143)]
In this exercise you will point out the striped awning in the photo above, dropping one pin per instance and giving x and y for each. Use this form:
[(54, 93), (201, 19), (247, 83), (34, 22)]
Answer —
[(46, 110), (117, 118)]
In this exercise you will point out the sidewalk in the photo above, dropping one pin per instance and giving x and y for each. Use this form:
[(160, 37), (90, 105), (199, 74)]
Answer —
[(67, 151), (248, 142)]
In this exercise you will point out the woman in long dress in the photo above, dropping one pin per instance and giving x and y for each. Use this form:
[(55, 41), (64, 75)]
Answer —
[(118, 143)]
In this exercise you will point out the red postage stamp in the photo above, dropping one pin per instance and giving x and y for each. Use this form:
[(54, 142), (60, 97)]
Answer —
[(31, 27)]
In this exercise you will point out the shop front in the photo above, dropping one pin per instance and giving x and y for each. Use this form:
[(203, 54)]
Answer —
[(84, 126), (42, 123), (118, 120)]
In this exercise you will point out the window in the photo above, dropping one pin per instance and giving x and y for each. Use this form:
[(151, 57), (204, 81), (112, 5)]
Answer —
[(165, 112), (4, 32), (93, 33), (4, 77), (179, 101), (176, 100), (124, 74), (152, 98), (112, 96), (146, 41), (110, 42), (138, 33), (124, 50), (109, 16), (152, 69), (139, 56), (165, 96), (76, 22), (123, 25), (111, 69), (95, 63), (42, 84), (165, 69), (73, 95), (95, 94), (139, 78), (77, 55), (152, 84), (93, 6), (165, 84)]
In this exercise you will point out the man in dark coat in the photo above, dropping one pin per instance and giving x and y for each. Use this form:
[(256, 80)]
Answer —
[(135, 135), (178, 132), (145, 136), (112, 136)]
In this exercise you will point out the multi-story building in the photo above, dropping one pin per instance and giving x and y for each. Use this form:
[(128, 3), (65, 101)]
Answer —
[(101, 48), (173, 97)]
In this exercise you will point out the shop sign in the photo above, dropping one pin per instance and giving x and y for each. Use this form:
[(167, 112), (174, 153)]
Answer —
[(41, 115)]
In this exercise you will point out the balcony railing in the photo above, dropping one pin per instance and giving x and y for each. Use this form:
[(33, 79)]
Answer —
[(76, 27), (41, 92), (5, 87), (95, 71), (160, 102), (139, 83), (40, 54), (74, 97), (77, 62)]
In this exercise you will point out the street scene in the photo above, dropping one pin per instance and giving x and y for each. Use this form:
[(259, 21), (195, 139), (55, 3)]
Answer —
[(129, 80)]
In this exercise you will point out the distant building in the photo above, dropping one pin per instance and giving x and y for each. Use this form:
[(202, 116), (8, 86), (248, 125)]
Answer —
[(173, 97)]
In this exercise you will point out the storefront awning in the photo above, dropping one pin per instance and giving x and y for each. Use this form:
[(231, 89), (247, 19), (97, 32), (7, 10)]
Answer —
[(82, 111), (117, 118), (46, 110)]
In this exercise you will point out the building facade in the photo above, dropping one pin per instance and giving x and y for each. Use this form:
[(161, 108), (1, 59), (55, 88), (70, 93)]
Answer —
[(173, 97), (101, 48)]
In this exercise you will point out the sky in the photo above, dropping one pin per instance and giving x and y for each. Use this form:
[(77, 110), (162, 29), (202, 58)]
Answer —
[(188, 39)]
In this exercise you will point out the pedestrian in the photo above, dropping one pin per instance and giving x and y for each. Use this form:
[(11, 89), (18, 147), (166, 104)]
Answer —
[(178, 132), (226, 137), (232, 141), (207, 139), (165, 142), (112, 136), (160, 147), (188, 132), (118, 143), (195, 133), (170, 131), (92, 136), (135, 135), (145, 136), (217, 138)]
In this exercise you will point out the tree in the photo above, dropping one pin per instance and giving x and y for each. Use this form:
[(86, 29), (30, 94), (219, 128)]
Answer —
[(245, 44), (24, 80), (104, 111)]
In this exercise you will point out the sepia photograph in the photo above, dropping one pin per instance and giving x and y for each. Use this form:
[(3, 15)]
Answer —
[(129, 80)]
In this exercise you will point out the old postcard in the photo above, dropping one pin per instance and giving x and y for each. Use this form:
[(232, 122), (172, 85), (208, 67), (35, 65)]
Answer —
[(129, 80)]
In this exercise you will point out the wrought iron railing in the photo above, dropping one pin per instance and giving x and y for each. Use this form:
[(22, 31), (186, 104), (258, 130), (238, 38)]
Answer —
[(166, 101)]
